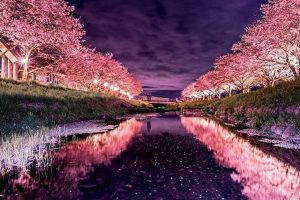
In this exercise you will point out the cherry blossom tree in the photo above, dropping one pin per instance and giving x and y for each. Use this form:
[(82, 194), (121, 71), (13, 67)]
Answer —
[(192, 92), (188, 91), (232, 71), (38, 25), (237, 69), (276, 38), (89, 70), (204, 87), (269, 52)]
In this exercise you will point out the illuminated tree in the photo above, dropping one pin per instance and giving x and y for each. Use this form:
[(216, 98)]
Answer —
[(275, 39), (237, 69), (38, 26), (88, 70)]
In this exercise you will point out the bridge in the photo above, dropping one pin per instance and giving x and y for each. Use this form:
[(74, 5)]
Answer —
[(156, 101), (160, 103)]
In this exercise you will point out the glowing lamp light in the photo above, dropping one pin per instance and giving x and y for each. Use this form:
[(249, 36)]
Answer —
[(23, 60), (123, 92), (106, 84), (115, 88), (96, 81)]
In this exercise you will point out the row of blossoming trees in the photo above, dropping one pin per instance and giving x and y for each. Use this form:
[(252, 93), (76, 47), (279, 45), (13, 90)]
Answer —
[(268, 53), (50, 37)]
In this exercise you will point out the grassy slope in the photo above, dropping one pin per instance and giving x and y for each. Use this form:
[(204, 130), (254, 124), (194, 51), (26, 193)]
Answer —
[(264, 107), (196, 104), (31, 103), (284, 94)]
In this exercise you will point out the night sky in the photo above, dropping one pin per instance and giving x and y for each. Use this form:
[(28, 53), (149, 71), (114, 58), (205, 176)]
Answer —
[(166, 44)]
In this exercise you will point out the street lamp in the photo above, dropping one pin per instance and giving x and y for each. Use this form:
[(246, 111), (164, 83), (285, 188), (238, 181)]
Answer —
[(23, 60), (116, 88), (96, 81), (106, 84), (122, 92)]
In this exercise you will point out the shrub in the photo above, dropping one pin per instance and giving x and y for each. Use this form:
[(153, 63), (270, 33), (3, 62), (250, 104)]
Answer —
[(296, 122), (239, 117)]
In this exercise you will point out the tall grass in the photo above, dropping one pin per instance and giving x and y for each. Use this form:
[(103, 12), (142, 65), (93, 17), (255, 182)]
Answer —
[(20, 151)]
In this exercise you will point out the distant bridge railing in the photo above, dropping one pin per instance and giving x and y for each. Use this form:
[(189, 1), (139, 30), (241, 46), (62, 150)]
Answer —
[(160, 102)]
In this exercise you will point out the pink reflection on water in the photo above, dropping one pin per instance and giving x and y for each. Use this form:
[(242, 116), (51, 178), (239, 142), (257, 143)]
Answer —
[(74, 161), (263, 176)]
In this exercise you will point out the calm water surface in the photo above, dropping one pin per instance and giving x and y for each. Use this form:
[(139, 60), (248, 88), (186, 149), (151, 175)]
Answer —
[(163, 157)]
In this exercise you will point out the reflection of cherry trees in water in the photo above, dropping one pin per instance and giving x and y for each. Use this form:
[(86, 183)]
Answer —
[(160, 162), (263, 176), (72, 163)]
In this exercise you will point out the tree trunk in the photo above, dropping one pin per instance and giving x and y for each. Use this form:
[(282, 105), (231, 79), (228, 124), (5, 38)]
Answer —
[(230, 92), (243, 89), (269, 83), (293, 70), (25, 74), (248, 89), (273, 82)]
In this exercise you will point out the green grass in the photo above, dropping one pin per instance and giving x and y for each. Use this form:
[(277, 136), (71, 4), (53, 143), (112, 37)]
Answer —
[(281, 95), (264, 107), (297, 123), (191, 105), (31, 104)]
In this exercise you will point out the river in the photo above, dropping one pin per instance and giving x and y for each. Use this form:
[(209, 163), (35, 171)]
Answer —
[(160, 157)]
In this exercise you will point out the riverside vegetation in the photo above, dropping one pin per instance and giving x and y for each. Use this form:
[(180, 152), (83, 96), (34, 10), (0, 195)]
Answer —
[(26, 105), (275, 109)]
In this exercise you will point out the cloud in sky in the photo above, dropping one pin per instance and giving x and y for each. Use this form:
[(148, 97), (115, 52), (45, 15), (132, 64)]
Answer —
[(166, 44)]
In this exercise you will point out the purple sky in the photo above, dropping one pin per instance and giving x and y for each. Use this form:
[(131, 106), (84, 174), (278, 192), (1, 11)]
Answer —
[(166, 44)]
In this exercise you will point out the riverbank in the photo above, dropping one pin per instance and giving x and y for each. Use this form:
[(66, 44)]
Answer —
[(275, 110), (159, 157), (29, 105)]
